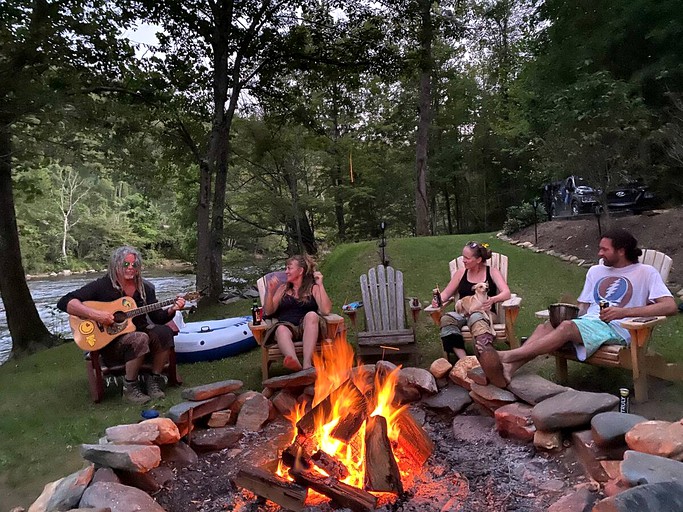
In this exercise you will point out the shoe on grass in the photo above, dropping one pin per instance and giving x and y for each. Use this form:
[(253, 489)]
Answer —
[(132, 393), (155, 386)]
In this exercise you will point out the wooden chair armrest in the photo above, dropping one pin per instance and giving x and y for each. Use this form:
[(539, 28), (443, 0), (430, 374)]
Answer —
[(333, 318), (632, 325), (543, 314), (258, 331), (437, 313), (512, 302)]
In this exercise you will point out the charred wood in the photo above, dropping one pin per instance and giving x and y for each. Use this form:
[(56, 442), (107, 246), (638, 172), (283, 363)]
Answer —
[(413, 440), (287, 494), (341, 494), (381, 469)]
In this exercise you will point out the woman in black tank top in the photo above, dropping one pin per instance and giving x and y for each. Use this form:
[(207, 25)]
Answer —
[(295, 304), (474, 270)]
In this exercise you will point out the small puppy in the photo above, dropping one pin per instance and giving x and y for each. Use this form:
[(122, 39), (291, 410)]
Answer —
[(472, 303)]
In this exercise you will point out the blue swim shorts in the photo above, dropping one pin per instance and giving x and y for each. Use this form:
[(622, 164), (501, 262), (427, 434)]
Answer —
[(595, 333)]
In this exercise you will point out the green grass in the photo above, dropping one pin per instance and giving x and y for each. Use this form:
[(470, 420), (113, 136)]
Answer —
[(46, 412)]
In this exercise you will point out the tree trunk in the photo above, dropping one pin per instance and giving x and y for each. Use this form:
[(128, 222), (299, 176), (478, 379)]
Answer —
[(449, 216), (421, 169), (337, 172), (25, 326)]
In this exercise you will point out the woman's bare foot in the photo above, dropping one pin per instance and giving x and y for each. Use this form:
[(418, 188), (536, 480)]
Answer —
[(292, 363)]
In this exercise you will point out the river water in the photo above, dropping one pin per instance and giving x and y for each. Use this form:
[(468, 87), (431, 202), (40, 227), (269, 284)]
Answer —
[(46, 292)]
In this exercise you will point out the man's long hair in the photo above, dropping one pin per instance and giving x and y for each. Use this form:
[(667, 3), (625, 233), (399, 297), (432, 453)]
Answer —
[(308, 280), (622, 239), (116, 269)]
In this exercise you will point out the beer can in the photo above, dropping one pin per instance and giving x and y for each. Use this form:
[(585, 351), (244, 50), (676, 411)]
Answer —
[(604, 304), (623, 399)]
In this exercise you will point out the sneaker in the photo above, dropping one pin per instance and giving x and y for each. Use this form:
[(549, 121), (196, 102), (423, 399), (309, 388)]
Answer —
[(154, 385), (132, 393)]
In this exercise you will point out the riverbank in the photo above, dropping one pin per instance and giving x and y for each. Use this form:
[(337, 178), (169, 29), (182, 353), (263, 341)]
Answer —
[(176, 266)]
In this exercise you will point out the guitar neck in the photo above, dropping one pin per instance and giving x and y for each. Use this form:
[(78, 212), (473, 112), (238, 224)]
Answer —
[(149, 308)]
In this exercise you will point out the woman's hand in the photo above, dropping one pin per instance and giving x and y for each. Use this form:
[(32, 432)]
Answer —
[(318, 278), (488, 304)]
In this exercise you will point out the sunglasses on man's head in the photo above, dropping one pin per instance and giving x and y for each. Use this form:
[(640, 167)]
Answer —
[(134, 264)]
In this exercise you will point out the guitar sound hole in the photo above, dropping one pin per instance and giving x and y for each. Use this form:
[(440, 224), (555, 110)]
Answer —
[(119, 317)]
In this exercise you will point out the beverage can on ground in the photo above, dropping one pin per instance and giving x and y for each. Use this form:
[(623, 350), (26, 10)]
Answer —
[(624, 399)]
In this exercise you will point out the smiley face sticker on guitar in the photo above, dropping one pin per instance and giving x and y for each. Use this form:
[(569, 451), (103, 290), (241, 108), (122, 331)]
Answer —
[(86, 327)]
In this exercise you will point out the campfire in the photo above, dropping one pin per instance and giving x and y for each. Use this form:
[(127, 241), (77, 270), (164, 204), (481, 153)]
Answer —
[(352, 445)]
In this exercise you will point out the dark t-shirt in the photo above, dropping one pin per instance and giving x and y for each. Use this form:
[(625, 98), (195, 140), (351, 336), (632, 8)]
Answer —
[(102, 290), (465, 287)]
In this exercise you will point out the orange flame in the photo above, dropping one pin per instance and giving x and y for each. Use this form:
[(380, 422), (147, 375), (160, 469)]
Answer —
[(335, 366)]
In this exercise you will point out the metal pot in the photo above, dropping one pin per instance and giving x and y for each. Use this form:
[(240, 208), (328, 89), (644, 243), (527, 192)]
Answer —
[(561, 311)]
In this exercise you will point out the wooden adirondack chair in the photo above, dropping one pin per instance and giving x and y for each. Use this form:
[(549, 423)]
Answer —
[(385, 323), (335, 327), (635, 357), (505, 313)]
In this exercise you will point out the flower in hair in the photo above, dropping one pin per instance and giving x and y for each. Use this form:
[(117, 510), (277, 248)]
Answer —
[(485, 246)]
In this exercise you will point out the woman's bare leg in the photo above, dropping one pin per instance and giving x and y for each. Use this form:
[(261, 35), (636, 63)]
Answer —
[(283, 337), (310, 337)]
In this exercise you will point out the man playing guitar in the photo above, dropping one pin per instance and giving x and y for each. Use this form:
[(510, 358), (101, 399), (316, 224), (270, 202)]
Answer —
[(124, 280)]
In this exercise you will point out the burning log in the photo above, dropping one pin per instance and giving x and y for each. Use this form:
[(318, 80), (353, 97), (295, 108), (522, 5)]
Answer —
[(287, 494), (413, 440), (355, 412), (381, 469), (298, 455), (341, 494), (332, 466)]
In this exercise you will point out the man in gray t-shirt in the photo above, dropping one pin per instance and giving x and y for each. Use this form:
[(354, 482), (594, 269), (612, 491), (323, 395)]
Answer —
[(631, 289)]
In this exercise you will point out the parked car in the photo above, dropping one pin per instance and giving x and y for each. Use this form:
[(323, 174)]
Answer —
[(573, 196)]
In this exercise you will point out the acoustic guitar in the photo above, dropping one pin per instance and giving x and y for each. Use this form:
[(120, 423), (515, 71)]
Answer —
[(90, 335)]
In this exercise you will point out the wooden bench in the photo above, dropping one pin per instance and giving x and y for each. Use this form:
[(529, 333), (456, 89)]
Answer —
[(635, 357), (504, 314)]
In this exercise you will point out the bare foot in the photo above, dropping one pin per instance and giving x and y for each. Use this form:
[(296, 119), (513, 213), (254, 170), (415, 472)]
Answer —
[(292, 363), (508, 370), (493, 368)]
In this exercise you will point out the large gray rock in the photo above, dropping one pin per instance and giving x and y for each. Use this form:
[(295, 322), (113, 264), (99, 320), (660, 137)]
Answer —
[(571, 409), (452, 398), (417, 378), (65, 493), (131, 457), (178, 454), (642, 468), (210, 390), (533, 389), (660, 497), (493, 393), (254, 413), (119, 498), (215, 439), (609, 428)]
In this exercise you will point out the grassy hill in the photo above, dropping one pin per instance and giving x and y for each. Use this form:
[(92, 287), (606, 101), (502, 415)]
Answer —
[(46, 412)]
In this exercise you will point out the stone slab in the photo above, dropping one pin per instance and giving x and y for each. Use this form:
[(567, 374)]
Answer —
[(609, 428), (199, 393), (659, 497), (452, 398), (131, 457), (298, 379), (215, 439), (180, 413), (571, 409), (642, 468), (119, 498), (533, 389)]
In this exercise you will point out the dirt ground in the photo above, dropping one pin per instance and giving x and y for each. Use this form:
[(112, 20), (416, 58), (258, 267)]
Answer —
[(658, 229)]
